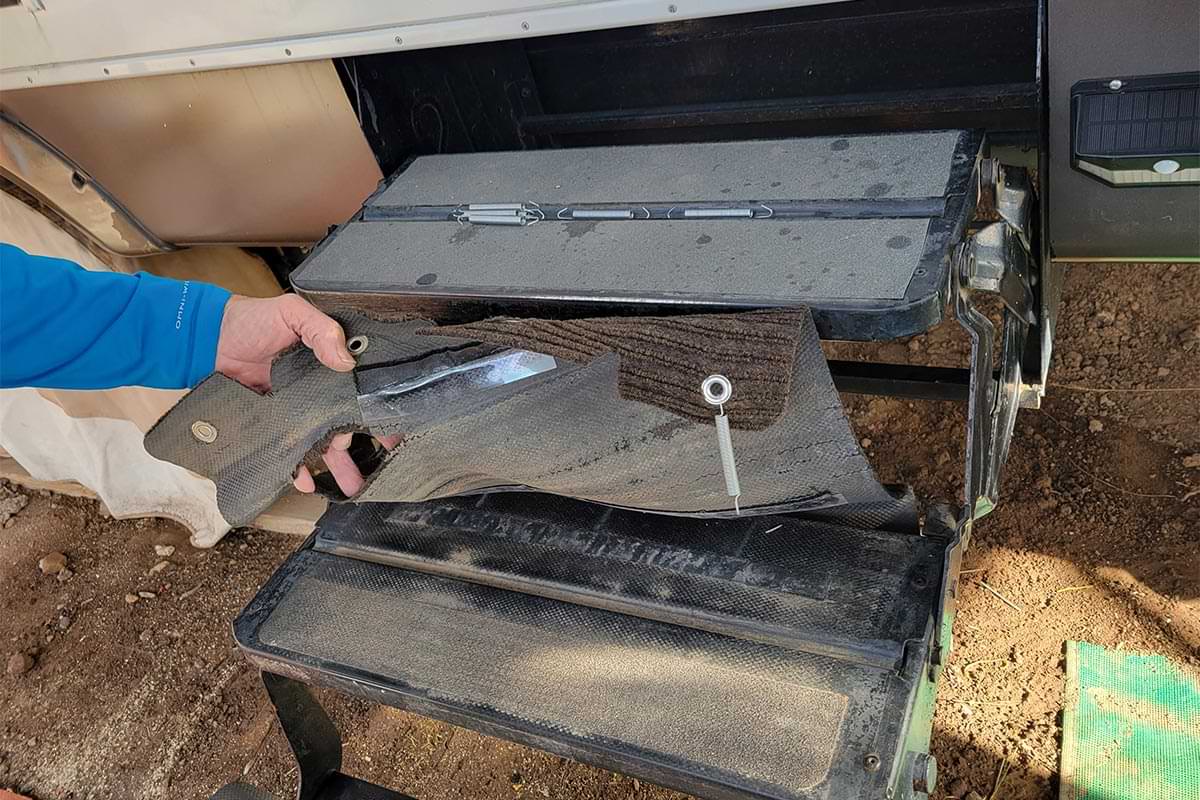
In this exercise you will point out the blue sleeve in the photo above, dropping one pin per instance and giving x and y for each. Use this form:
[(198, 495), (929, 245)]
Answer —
[(63, 327)]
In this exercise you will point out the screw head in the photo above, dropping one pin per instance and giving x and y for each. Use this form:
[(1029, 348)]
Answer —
[(204, 432), (399, 40), (871, 762), (524, 26), (1115, 84)]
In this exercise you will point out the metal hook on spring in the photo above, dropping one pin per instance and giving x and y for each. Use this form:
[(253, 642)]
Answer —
[(770, 211), (561, 211), (647, 212)]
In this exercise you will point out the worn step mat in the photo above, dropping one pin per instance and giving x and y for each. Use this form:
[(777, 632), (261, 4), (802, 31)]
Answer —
[(1131, 727), (688, 708), (857, 228), (617, 420)]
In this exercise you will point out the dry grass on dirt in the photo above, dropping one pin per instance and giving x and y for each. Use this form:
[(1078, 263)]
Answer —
[(1096, 538)]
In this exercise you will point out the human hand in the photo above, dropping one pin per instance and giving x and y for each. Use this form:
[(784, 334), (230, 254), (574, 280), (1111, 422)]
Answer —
[(255, 330)]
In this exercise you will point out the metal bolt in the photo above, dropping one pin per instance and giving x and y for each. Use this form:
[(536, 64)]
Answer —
[(399, 40), (204, 431), (671, 9), (924, 773), (871, 762), (1115, 84)]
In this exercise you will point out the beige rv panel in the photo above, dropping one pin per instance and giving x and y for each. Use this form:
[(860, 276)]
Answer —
[(260, 155)]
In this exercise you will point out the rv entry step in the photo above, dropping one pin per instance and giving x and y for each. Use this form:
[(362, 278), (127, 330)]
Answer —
[(857, 228), (768, 657)]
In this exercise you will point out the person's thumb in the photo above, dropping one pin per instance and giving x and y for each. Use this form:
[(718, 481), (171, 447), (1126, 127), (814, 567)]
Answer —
[(320, 333)]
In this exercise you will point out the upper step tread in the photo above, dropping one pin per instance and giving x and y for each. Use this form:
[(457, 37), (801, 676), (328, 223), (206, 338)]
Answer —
[(858, 229), (814, 168)]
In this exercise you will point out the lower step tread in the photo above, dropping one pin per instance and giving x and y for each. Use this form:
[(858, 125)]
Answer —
[(684, 707)]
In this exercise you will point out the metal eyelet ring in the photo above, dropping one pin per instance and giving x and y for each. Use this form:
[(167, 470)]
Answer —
[(204, 432), (357, 345), (716, 389)]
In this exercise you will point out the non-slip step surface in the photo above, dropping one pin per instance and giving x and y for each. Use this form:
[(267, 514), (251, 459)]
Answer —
[(714, 260), (851, 227), (816, 168), (684, 707), (801, 584)]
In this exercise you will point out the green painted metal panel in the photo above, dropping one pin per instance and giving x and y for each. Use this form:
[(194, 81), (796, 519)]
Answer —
[(1131, 727)]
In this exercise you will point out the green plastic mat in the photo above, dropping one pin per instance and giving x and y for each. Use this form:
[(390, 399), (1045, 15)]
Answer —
[(1131, 727)]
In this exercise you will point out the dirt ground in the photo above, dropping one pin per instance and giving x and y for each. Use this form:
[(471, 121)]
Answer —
[(1097, 537)]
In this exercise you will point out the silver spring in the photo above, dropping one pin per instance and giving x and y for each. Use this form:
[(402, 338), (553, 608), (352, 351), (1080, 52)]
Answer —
[(601, 213), (733, 487), (712, 213), (513, 207), (493, 219)]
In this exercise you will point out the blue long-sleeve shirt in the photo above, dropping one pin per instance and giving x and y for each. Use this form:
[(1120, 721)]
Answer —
[(63, 327)]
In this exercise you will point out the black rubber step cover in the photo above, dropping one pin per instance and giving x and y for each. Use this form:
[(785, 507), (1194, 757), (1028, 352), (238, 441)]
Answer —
[(751, 662)]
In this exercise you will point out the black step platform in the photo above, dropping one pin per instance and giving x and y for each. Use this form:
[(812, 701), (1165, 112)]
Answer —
[(773, 657), (857, 228)]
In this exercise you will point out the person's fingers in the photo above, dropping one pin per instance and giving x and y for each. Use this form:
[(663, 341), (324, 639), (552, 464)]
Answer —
[(342, 467), (320, 333), (389, 442), (304, 481)]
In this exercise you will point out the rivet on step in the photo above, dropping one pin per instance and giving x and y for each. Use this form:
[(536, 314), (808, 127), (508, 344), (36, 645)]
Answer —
[(204, 431)]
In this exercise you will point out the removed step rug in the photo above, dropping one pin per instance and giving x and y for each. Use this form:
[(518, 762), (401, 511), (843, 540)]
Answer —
[(608, 410), (1131, 726)]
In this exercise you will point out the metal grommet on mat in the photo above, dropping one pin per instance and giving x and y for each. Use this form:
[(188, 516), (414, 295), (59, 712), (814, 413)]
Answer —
[(204, 431), (357, 345), (717, 390)]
